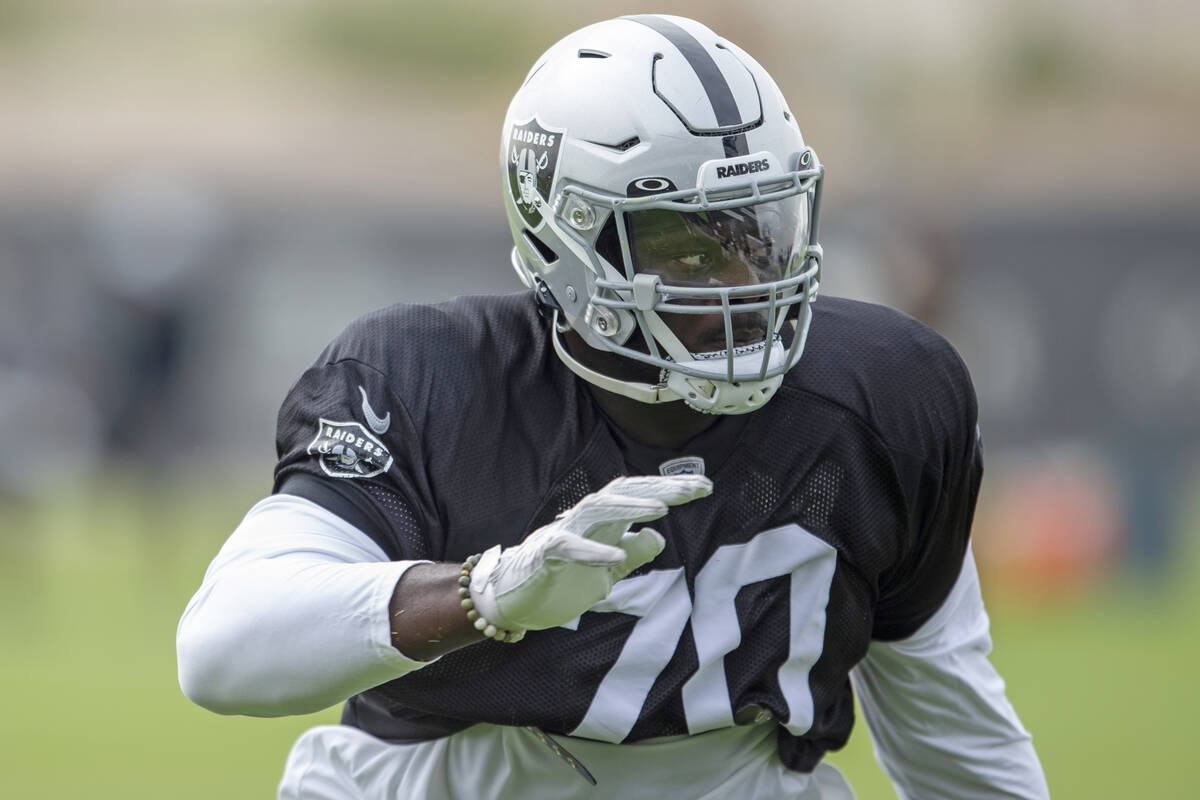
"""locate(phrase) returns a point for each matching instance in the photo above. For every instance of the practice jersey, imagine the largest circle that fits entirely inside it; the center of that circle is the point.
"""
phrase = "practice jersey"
(840, 514)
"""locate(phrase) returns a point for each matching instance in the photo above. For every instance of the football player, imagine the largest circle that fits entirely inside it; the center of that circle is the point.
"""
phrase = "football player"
(457, 545)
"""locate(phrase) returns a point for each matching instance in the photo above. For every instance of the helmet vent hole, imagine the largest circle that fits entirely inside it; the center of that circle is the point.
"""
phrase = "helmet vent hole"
(587, 53)
(548, 255)
(619, 147)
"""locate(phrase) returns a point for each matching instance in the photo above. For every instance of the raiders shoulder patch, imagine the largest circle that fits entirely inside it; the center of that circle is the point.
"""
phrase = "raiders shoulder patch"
(347, 450)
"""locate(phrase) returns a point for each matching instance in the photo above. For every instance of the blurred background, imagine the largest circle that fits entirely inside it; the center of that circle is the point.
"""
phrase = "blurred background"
(195, 195)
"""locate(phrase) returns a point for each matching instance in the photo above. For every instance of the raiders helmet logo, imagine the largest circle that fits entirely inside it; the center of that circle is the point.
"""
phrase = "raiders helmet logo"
(532, 162)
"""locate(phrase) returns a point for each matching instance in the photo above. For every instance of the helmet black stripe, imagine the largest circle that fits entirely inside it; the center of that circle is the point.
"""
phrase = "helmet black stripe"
(715, 86)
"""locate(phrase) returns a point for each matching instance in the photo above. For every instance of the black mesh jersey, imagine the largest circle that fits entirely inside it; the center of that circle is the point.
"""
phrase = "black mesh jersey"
(840, 513)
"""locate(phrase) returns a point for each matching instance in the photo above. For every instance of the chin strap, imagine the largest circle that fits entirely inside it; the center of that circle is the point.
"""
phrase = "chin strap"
(642, 392)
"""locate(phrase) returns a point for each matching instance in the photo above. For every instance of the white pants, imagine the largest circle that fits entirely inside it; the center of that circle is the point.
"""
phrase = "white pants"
(487, 762)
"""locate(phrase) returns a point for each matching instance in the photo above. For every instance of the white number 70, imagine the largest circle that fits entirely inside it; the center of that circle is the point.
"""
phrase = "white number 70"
(661, 599)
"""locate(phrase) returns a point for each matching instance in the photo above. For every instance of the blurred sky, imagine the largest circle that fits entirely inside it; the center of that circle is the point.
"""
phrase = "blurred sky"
(196, 194)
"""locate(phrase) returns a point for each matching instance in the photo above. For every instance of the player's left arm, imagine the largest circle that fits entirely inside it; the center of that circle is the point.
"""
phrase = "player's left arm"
(938, 714)
(942, 726)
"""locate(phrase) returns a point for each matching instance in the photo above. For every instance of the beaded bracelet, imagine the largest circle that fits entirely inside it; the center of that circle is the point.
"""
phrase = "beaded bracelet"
(464, 591)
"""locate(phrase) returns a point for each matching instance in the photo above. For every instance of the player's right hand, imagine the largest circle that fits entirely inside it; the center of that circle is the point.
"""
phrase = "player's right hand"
(564, 568)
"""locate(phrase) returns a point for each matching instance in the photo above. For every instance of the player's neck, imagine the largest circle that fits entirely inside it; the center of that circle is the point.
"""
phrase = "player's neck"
(667, 425)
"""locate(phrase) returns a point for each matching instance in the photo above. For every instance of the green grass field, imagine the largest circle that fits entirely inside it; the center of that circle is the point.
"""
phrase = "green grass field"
(90, 592)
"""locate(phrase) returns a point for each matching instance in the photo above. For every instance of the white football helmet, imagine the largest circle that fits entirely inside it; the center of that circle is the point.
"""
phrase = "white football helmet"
(656, 184)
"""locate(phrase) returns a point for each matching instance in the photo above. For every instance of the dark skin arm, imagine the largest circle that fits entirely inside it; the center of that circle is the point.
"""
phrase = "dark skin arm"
(427, 614)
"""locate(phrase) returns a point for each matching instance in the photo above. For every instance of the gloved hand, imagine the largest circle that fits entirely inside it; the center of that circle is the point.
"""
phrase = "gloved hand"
(564, 568)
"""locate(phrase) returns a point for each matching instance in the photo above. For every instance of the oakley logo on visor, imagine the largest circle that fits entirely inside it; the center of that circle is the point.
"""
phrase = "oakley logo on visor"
(644, 187)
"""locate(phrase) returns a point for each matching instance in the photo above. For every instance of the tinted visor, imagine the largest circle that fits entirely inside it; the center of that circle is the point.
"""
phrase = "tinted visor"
(729, 247)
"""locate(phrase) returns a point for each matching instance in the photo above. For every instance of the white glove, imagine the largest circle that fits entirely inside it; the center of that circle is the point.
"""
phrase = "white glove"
(566, 567)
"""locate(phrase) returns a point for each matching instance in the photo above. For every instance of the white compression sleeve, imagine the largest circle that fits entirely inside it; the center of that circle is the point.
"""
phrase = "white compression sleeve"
(292, 616)
(935, 705)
